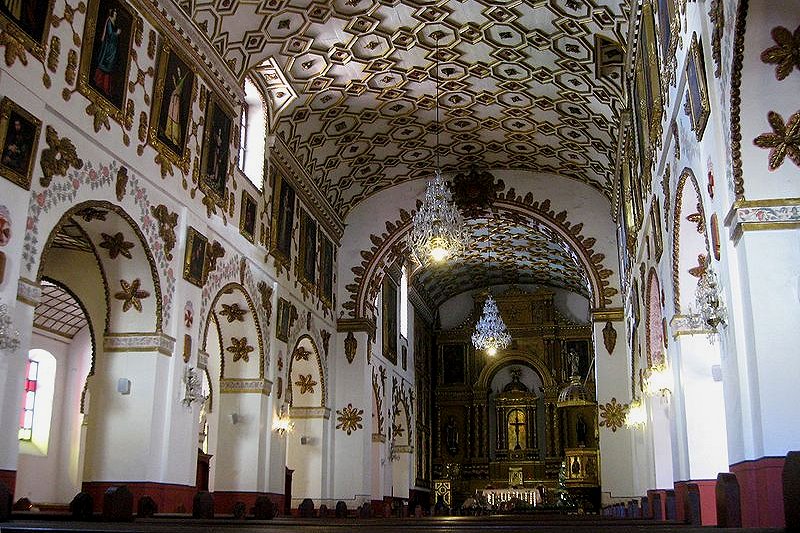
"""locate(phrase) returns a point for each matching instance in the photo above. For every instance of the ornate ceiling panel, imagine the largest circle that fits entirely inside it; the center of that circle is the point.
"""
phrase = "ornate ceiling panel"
(520, 253)
(530, 85)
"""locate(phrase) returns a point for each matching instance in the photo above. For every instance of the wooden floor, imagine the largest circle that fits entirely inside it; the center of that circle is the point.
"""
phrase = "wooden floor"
(505, 524)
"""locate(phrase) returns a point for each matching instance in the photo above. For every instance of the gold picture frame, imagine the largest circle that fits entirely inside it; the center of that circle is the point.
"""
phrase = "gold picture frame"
(171, 117)
(195, 261)
(247, 217)
(389, 315)
(108, 39)
(307, 253)
(282, 323)
(283, 209)
(698, 105)
(216, 149)
(19, 142)
(29, 23)
(327, 257)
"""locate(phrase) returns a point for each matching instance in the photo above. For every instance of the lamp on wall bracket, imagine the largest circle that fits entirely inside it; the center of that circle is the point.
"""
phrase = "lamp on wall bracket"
(282, 425)
(708, 298)
(439, 232)
(9, 336)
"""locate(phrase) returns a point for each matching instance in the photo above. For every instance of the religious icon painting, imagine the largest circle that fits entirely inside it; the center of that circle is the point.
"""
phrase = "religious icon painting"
(27, 21)
(247, 217)
(215, 158)
(19, 140)
(172, 107)
(282, 324)
(389, 300)
(308, 250)
(194, 263)
(697, 106)
(282, 219)
(105, 59)
(326, 270)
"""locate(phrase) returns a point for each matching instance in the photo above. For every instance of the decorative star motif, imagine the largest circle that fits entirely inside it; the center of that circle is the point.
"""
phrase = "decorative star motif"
(131, 295)
(786, 54)
(349, 418)
(301, 354)
(612, 415)
(233, 312)
(240, 349)
(306, 384)
(116, 245)
(784, 139)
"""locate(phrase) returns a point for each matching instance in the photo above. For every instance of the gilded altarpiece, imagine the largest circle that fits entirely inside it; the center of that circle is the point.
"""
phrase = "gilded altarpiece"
(498, 421)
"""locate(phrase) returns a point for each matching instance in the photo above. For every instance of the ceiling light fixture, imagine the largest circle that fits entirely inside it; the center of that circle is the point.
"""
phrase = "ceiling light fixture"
(490, 332)
(438, 231)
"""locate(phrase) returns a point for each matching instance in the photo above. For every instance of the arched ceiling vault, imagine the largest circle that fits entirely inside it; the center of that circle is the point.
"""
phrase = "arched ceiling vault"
(532, 85)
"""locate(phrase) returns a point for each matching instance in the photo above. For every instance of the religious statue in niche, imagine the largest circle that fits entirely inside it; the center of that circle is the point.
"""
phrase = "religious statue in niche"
(581, 430)
(451, 436)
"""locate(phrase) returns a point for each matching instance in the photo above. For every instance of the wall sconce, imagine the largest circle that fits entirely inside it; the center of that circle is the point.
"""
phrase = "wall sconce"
(283, 424)
(708, 298)
(9, 336)
(659, 380)
(637, 415)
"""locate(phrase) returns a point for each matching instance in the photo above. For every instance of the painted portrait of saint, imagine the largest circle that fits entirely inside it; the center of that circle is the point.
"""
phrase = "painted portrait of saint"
(173, 100)
(108, 40)
(216, 150)
(19, 138)
(30, 16)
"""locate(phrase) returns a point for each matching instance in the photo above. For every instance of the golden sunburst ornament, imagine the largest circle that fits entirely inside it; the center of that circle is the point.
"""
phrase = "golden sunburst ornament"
(349, 418)
(306, 384)
(233, 312)
(131, 295)
(612, 415)
(240, 349)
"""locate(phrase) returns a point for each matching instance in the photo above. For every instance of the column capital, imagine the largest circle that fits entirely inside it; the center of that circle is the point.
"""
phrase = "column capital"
(240, 386)
(139, 342)
(613, 314)
(766, 214)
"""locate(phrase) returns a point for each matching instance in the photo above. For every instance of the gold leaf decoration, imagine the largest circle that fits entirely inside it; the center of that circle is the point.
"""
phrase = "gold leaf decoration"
(116, 245)
(121, 184)
(306, 384)
(166, 227)
(266, 298)
(14, 49)
(784, 139)
(350, 346)
(612, 415)
(700, 269)
(785, 54)
(349, 418)
(301, 354)
(233, 312)
(58, 157)
(609, 337)
(240, 349)
(131, 295)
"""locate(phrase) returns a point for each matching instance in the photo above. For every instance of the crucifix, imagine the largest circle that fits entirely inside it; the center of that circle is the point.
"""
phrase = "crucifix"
(516, 425)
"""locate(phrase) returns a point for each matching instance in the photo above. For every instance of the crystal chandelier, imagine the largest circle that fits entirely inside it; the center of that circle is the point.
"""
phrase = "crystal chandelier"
(9, 336)
(438, 231)
(708, 298)
(490, 331)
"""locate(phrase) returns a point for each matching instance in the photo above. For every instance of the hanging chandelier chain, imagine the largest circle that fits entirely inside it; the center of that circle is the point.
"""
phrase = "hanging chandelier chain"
(437, 35)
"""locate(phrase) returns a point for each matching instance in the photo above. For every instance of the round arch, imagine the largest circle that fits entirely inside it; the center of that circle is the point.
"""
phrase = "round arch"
(654, 330)
(514, 357)
(305, 364)
(688, 244)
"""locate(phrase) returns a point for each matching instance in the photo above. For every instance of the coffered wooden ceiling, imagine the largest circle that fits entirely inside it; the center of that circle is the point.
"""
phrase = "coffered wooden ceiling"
(531, 85)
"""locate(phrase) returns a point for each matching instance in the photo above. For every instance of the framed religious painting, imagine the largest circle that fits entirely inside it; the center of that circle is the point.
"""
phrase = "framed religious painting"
(247, 217)
(194, 262)
(282, 324)
(105, 58)
(28, 21)
(282, 219)
(669, 27)
(389, 314)
(19, 140)
(307, 263)
(453, 364)
(326, 259)
(697, 106)
(171, 115)
(215, 151)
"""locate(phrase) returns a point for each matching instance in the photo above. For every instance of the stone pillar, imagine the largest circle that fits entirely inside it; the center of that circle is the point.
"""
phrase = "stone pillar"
(612, 367)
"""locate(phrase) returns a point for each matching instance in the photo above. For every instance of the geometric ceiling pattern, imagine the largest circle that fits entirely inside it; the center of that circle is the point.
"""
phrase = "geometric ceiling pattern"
(522, 253)
(532, 85)
(58, 312)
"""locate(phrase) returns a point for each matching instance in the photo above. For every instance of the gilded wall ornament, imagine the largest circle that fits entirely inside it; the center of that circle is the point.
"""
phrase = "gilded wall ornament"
(306, 383)
(700, 269)
(240, 349)
(612, 415)
(116, 245)
(166, 227)
(350, 346)
(783, 141)
(609, 337)
(266, 298)
(301, 354)
(14, 50)
(474, 191)
(717, 15)
(121, 184)
(88, 214)
(349, 418)
(58, 157)
(233, 312)
(215, 252)
(698, 219)
(326, 337)
(131, 295)
(785, 54)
